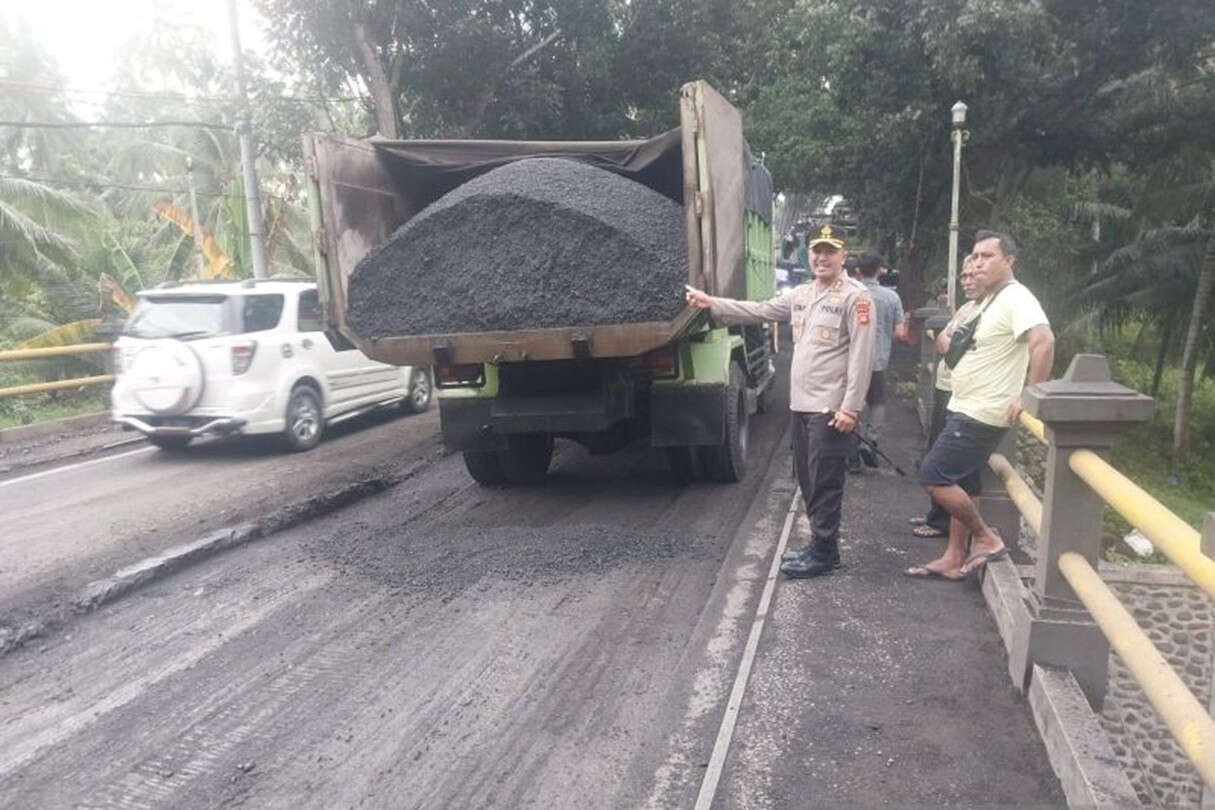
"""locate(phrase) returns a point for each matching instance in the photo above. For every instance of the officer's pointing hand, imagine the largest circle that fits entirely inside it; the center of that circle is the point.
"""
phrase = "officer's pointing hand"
(697, 298)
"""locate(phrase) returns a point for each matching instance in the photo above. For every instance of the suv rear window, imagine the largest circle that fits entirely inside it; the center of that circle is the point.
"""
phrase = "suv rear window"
(178, 316)
(261, 312)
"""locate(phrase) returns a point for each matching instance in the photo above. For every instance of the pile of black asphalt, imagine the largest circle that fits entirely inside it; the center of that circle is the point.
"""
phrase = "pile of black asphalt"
(537, 243)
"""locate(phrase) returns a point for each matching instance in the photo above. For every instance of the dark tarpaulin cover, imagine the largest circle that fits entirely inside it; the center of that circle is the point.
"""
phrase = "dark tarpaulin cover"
(433, 168)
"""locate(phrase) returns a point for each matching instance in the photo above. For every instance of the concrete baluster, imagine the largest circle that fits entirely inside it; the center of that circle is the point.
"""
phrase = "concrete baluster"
(1084, 409)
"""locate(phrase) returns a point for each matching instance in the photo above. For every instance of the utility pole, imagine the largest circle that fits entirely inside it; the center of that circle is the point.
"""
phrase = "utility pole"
(198, 237)
(958, 134)
(244, 132)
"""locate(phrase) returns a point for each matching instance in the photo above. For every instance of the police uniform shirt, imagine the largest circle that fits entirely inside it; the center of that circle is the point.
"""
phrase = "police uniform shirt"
(833, 337)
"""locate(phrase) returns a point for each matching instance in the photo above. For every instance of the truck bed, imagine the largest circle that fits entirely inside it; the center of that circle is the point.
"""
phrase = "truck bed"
(362, 191)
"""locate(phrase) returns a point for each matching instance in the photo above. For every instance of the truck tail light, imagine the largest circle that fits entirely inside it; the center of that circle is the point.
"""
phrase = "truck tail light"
(660, 363)
(458, 375)
(242, 356)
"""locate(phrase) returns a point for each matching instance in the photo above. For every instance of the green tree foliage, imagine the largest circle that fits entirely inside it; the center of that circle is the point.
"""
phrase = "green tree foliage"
(862, 102)
(570, 69)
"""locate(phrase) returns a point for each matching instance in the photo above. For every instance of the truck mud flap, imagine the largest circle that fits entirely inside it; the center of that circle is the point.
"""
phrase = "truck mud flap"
(683, 415)
(466, 425)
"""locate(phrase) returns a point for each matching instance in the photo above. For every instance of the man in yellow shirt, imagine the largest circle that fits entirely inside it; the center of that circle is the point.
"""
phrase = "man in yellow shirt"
(1011, 338)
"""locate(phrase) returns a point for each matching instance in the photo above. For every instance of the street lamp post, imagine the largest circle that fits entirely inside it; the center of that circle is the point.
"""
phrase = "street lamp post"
(958, 119)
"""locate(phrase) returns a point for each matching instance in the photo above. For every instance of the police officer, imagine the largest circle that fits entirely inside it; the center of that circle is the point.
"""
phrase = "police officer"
(833, 334)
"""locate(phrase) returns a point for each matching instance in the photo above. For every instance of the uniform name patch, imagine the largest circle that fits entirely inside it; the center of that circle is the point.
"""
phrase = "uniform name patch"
(862, 311)
(834, 310)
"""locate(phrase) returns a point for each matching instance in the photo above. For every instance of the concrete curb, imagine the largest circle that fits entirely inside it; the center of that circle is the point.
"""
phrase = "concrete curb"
(1077, 745)
(103, 591)
(1079, 750)
(40, 429)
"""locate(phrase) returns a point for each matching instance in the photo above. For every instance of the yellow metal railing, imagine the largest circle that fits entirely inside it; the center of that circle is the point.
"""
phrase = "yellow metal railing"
(1172, 535)
(1187, 719)
(1035, 426)
(1018, 491)
(54, 351)
(1180, 710)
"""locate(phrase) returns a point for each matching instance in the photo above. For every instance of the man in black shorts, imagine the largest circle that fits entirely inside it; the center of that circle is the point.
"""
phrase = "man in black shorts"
(1012, 336)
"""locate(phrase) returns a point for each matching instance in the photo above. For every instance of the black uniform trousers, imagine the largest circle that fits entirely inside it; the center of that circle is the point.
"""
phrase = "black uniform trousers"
(937, 517)
(820, 453)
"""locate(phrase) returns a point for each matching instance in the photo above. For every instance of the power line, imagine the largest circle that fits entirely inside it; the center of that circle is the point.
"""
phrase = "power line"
(39, 87)
(89, 184)
(111, 124)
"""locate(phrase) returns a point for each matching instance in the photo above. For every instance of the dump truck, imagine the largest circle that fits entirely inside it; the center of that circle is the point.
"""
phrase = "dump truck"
(685, 385)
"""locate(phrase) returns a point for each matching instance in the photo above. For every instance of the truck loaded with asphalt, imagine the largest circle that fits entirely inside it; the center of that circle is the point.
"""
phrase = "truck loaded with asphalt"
(544, 281)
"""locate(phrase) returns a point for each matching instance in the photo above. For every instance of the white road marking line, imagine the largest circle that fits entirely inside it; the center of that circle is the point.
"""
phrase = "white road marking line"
(717, 762)
(76, 466)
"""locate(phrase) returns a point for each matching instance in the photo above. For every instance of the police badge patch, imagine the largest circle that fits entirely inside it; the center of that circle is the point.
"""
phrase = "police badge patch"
(862, 311)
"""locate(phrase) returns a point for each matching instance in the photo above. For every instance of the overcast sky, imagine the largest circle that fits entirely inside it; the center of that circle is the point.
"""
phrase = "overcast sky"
(84, 35)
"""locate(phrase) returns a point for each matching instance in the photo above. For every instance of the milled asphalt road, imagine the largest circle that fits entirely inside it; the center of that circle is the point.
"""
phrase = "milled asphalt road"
(69, 523)
(448, 645)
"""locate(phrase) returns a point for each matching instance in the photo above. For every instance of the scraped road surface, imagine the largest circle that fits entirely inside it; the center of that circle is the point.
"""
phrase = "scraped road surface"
(574, 645)
(83, 518)
(439, 645)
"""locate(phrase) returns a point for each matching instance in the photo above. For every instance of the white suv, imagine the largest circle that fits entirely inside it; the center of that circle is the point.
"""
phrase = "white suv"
(246, 357)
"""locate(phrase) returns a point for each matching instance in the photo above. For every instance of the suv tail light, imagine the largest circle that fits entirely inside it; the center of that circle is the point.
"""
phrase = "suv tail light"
(459, 374)
(242, 356)
(660, 363)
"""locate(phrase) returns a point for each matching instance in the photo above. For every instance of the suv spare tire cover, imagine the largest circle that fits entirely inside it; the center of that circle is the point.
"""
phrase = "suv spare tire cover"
(167, 377)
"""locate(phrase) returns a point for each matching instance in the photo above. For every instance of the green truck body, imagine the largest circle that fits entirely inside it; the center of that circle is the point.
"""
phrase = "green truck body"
(683, 385)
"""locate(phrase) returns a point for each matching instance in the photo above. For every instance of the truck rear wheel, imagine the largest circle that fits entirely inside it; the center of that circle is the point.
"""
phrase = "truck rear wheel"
(727, 462)
(526, 458)
(484, 466)
(685, 464)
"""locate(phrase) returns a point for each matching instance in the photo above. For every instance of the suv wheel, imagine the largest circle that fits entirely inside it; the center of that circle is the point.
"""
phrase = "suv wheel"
(305, 421)
(418, 398)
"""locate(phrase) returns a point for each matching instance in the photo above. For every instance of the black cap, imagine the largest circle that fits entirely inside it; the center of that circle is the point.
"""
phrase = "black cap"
(826, 235)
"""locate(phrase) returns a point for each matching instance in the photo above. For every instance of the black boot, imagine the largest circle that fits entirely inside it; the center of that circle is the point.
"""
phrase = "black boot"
(816, 563)
(796, 553)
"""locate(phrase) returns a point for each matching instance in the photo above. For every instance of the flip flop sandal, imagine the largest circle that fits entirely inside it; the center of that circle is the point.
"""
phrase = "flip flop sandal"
(924, 572)
(924, 530)
(979, 560)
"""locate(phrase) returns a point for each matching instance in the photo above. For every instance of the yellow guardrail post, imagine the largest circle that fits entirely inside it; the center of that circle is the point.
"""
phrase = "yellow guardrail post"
(1083, 409)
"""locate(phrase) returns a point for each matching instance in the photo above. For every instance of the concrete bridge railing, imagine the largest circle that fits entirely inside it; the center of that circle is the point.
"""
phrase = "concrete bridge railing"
(1060, 621)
